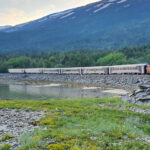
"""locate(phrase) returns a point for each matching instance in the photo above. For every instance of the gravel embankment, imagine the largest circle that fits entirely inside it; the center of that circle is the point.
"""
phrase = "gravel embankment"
(128, 82)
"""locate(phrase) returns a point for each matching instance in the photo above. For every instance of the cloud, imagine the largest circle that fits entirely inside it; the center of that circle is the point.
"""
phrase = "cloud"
(84, 2)
(14, 12)
(16, 16)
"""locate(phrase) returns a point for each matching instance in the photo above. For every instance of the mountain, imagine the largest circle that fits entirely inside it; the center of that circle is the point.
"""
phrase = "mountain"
(3, 28)
(104, 24)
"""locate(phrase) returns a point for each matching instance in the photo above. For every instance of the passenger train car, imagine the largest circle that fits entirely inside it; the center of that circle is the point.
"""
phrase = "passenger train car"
(51, 70)
(119, 69)
(128, 69)
(16, 70)
(95, 70)
(71, 70)
(33, 70)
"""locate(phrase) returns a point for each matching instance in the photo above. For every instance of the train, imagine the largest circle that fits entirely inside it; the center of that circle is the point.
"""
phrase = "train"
(103, 70)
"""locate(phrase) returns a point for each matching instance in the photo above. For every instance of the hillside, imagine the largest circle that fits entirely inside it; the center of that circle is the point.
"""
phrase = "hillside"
(100, 25)
(82, 58)
(3, 28)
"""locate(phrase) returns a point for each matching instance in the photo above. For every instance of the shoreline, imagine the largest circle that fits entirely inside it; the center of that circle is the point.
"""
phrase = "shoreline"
(126, 82)
(105, 91)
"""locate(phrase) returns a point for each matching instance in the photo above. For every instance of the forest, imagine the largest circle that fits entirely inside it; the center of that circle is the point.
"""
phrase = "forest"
(78, 58)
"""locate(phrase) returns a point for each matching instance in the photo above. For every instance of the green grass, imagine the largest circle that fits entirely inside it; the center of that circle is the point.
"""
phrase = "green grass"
(81, 124)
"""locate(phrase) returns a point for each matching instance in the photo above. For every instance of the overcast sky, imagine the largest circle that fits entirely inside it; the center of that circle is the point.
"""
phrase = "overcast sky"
(14, 12)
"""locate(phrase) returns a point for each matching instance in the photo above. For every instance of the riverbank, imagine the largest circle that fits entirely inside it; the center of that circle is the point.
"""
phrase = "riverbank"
(127, 82)
(82, 124)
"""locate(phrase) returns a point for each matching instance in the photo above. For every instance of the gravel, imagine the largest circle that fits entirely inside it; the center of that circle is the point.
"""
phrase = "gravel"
(15, 122)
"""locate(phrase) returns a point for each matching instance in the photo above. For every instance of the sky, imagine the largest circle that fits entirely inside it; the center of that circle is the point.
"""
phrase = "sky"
(14, 12)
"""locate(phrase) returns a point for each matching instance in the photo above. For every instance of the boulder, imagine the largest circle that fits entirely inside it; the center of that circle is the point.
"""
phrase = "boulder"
(144, 86)
(140, 96)
(145, 99)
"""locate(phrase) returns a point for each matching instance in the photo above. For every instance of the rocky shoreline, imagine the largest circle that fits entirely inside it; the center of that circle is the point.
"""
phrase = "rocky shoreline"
(141, 95)
(14, 122)
(127, 82)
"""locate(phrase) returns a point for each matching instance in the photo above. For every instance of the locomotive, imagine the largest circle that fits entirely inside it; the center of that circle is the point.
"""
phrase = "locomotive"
(105, 70)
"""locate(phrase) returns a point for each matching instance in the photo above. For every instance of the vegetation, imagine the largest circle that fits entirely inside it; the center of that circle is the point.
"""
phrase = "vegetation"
(5, 147)
(6, 137)
(85, 124)
(77, 58)
(116, 26)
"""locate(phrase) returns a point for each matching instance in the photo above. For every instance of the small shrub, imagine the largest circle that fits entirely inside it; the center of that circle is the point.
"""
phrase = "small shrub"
(132, 136)
(6, 137)
(115, 135)
(48, 121)
(31, 140)
(59, 146)
(6, 147)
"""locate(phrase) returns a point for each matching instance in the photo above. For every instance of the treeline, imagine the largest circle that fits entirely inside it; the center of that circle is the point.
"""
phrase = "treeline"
(78, 58)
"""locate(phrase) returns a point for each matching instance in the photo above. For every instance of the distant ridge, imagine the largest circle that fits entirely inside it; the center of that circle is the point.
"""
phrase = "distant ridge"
(101, 25)
(2, 28)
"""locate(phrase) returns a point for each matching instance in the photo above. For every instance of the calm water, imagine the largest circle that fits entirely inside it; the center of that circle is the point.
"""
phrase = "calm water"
(10, 90)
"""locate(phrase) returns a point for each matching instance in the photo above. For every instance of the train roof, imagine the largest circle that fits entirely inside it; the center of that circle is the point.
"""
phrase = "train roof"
(96, 67)
(130, 65)
(16, 69)
(72, 68)
(92, 67)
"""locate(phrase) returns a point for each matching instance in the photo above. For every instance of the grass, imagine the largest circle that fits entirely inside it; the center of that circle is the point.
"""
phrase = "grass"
(81, 124)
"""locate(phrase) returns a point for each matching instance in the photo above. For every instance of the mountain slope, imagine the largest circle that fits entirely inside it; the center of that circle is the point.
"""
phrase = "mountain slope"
(5, 28)
(104, 24)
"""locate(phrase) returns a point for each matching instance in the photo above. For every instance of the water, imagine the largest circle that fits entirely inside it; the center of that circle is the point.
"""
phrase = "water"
(10, 90)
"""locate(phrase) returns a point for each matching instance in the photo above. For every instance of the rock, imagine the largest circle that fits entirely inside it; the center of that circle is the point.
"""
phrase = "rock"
(140, 96)
(144, 86)
(148, 91)
(144, 99)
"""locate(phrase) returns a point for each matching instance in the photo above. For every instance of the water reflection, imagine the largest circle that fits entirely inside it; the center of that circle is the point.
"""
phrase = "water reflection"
(16, 91)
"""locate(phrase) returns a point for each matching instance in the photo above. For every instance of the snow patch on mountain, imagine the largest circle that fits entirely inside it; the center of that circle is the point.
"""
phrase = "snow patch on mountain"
(67, 15)
(122, 1)
(111, 1)
(60, 14)
(103, 7)
(43, 19)
(99, 5)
